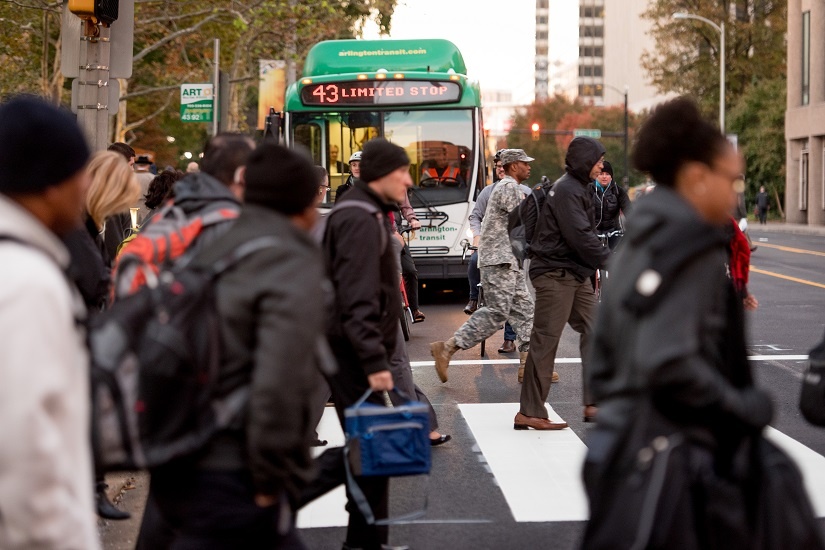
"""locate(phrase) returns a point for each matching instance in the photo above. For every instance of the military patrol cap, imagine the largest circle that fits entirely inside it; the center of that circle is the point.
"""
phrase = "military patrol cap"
(509, 156)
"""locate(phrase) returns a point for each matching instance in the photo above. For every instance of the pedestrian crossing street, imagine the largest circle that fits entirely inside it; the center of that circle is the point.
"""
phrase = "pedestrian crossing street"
(539, 473)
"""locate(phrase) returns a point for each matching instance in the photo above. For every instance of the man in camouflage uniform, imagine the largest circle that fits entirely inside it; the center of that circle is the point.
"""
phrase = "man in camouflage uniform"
(505, 288)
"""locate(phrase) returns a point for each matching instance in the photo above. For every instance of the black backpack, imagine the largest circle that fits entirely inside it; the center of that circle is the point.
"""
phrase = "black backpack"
(522, 221)
(155, 360)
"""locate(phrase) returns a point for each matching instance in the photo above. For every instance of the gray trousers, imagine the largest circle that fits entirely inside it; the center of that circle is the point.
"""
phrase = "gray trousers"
(402, 378)
(560, 299)
(506, 298)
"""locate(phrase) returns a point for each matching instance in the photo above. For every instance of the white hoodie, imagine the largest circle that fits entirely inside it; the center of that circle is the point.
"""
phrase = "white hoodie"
(46, 497)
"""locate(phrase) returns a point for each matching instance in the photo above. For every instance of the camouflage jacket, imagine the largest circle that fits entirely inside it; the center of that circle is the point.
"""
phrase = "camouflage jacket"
(494, 246)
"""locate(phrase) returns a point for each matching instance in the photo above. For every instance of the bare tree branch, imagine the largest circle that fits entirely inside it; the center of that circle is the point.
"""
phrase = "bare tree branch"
(141, 122)
(174, 36)
(55, 7)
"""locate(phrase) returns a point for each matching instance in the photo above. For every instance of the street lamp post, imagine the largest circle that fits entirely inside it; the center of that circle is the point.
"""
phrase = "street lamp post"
(720, 28)
(626, 162)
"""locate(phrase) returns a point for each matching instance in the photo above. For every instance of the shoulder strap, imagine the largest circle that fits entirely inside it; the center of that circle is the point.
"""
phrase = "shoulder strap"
(242, 251)
(372, 209)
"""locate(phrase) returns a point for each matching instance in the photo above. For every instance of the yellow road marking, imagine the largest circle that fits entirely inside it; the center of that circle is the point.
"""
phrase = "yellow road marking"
(786, 277)
(789, 249)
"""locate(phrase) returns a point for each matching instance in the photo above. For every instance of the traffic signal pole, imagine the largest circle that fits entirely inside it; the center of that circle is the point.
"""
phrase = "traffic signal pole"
(93, 108)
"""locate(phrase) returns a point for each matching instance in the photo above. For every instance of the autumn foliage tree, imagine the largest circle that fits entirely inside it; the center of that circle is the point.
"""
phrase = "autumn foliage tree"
(562, 117)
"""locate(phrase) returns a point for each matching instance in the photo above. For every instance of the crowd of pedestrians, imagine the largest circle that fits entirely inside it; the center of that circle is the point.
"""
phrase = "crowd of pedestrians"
(330, 289)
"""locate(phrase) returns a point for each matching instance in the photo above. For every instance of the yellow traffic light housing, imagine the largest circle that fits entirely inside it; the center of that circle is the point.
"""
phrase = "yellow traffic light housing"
(104, 11)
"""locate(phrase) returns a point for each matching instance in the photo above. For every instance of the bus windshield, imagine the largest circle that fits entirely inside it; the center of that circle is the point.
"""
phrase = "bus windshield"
(438, 142)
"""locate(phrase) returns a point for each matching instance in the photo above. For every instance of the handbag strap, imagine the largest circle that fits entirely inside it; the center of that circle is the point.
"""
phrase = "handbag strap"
(370, 392)
(364, 506)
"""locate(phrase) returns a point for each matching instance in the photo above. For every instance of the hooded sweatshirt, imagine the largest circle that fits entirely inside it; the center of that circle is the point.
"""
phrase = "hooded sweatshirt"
(565, 236)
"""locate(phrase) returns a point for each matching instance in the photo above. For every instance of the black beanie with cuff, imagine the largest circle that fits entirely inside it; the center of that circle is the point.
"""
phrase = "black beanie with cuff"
(379, 158)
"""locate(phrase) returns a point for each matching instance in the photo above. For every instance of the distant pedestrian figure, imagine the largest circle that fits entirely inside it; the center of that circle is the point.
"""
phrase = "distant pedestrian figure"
(763, 203)
(46, 497)
(192, 168)
(679, 416)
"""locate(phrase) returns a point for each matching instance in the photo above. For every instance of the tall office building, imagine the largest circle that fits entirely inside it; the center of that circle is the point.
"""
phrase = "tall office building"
(612, 38)
(591, 51)
(805, 114)
(542, 77)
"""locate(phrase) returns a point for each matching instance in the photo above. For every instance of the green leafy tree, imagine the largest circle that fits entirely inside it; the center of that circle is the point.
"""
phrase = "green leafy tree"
(685, 58)
(172, 45)
(758, 118)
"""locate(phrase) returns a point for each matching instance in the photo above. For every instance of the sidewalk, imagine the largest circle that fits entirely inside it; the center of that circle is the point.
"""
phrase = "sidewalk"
(128, 492)
(781, 227)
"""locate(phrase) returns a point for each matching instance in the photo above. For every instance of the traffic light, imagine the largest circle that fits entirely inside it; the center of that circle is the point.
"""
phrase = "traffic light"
(536, 129)
(104, 11)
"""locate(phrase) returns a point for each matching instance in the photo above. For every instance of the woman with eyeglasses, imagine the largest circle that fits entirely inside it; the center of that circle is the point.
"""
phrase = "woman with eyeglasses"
(679, 417)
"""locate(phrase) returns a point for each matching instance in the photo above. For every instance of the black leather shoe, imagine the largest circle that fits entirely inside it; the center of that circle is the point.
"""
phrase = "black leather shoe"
(471, 306)
(105, 508)
(507, 347)
(440, 440)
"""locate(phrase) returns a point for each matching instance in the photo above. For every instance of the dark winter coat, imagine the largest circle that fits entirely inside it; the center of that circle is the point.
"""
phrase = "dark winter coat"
(364, 272)
(565, 236)
(90, 267)
(608, 204)
(668, 357)
(271, 319)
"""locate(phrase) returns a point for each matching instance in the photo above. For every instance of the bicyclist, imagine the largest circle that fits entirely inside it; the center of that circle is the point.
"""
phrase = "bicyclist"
(609, 200)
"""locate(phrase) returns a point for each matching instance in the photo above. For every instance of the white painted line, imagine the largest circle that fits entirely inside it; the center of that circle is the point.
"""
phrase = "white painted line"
(539, 472)
(577, 360)
(328, 510)
(812, 465)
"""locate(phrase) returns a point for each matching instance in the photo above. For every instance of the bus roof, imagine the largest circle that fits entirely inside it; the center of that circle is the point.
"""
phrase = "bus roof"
(353, 56)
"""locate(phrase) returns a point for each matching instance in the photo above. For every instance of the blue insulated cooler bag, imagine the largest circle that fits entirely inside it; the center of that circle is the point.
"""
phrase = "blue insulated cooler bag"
(388, 441)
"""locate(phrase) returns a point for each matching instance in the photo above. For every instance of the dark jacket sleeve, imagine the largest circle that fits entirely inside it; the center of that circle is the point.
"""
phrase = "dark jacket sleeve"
(284, 370)
(572, 211)
(624, 201)
(356, 277)
(88, 268)
(680, 354)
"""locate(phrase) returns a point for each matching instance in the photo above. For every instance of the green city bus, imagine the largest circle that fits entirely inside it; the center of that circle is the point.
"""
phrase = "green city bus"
(416, 94)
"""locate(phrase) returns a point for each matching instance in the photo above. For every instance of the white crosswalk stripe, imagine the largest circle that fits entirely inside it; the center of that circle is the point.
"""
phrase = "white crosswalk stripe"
(539, 473)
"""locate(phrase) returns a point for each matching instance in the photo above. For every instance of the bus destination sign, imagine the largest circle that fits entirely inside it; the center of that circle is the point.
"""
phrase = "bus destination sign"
(381, 92)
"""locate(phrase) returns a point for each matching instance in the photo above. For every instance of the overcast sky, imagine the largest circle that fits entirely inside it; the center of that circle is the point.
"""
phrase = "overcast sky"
(497, 38)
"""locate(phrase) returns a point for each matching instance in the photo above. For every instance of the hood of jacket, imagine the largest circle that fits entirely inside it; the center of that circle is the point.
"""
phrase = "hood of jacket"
(195, 189)
(582, 155)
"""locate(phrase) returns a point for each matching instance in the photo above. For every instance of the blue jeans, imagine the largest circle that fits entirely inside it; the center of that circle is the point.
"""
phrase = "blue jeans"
(474, 277)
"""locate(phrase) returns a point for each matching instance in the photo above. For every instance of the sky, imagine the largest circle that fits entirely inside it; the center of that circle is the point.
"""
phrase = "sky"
(497, 38)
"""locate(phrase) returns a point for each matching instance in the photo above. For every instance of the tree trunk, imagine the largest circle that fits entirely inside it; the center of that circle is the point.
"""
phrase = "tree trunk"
(120, 119)
(778, 203)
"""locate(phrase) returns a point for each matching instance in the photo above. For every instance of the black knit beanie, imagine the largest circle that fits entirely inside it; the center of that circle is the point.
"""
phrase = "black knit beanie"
(608, 168)
(40, 146)
(281, 179)
(380, 157)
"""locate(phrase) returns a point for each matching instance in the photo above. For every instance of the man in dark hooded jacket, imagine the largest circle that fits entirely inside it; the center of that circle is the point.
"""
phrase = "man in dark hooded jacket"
(564, 254)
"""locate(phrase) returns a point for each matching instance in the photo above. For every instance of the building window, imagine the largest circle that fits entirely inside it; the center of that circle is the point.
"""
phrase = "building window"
(590, 90)
(597, 32)
(542, 4)
(803, 180)
(806, 58)
(541, 19)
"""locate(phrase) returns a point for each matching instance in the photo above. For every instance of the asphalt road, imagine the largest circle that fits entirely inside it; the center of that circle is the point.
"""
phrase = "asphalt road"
(472, 501)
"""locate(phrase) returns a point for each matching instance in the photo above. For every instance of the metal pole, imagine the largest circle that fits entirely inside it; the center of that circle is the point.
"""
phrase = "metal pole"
(93, 86)
(626, 163)
(722, 77)
(216, 84)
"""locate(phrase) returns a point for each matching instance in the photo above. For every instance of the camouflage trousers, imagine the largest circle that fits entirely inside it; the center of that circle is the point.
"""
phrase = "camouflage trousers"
(506, 298)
